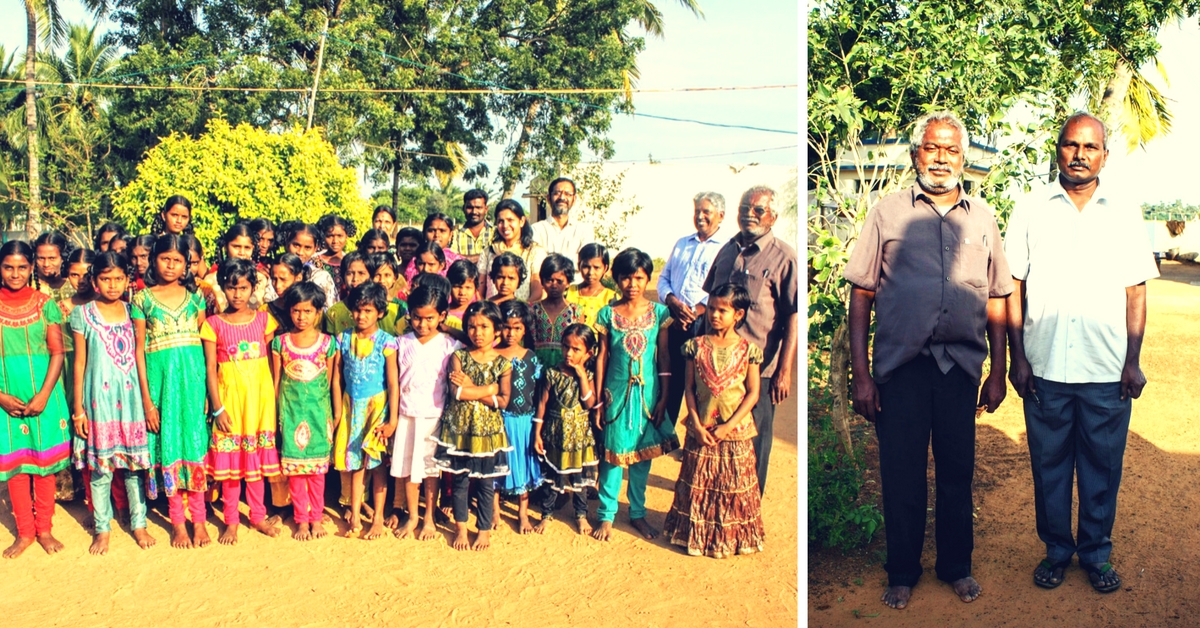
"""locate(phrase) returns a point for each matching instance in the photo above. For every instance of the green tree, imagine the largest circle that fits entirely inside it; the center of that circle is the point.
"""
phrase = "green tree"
(602, 205)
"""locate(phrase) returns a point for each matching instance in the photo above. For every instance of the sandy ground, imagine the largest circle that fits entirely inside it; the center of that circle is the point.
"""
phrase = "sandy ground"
(558, 579)
(1155, 542)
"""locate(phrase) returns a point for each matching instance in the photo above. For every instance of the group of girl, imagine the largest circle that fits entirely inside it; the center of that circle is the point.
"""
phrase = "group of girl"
(270, 368)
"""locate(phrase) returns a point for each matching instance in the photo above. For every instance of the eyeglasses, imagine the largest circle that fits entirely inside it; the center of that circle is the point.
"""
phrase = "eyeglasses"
(758, 210)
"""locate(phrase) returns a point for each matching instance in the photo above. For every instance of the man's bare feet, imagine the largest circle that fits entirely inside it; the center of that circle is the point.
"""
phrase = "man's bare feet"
(523, 524)
(49, 543)
(483, 540)
(896, 597)
(99, 544)
(229, 536)
(966, 589)
(377, 530)
(428, 531)
(303, 532)
(406, 530)
(143, 538)
(200, 537)
(584, 527)
(642, 526)
(179, 537)
(540, 528)
(318, 530)
(461, 540)
(268, 526)
(604, 532)
(18, 547)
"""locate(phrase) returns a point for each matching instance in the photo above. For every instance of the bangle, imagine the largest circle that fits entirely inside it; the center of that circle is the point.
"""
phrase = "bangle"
(537, 420)
(458, 394)
(219, 412)
(81, 415)
(585, 397)
(664, 374)
(495, 404)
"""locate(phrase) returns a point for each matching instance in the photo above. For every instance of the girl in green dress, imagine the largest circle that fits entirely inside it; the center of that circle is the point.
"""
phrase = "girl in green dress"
(631, 369)
(34, 444)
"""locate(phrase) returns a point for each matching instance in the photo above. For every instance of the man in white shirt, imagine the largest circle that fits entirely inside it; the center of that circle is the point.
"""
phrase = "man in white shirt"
(681, 285)
(1080, 257)
(557, 234)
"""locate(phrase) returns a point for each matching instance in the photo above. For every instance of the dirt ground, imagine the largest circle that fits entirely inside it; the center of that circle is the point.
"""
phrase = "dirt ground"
(558, 579)
(1155, 543)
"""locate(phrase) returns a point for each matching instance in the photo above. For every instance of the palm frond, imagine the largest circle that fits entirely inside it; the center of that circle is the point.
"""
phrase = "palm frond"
(1146, 113)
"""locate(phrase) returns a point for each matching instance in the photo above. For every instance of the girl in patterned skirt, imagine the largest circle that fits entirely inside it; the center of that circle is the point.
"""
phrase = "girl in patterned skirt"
(472, 443)
(553, 314)
(170, 359)
(563, 435)
(240, 389)
(717, 509)
(34, 447)
(304, 361)
(110, 424)
(524, 468)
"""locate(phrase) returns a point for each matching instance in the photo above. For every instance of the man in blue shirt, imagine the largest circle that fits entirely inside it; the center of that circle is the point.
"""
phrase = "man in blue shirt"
(681, 285)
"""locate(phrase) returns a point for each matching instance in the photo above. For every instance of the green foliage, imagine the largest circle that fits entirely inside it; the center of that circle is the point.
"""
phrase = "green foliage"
(840, 513)
(233, 173)
(600, 205)
(1175, 210)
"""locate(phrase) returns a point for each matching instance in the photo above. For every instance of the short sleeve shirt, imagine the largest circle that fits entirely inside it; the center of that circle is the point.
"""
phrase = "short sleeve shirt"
(422, 371)
(932, 276)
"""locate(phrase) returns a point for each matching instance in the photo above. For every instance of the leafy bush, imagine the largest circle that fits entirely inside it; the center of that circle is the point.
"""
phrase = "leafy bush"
(840, 513)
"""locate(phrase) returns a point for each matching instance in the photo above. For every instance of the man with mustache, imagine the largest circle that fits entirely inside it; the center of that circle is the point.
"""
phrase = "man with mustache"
(929, 259)
(681, 285)
(1081, 257)
(767, 268)
(557, 234)
(475, 234)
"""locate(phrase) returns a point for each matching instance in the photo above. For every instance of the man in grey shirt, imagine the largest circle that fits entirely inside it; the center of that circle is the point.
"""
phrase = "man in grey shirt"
(930, 261)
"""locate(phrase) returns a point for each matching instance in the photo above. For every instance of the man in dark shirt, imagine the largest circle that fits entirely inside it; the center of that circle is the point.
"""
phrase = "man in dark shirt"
(930, 260)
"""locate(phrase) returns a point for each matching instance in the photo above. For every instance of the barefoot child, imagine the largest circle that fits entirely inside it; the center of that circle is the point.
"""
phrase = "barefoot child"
(471, 443)
(423, 360)
(170, 361)
(716, 511)
(34, 446)
(240, 389)
(367, 383)
(631, 368)
(303, 362)
(524, 467)
(507, 274)
(110, 424)
(553, 313)
(589, 294)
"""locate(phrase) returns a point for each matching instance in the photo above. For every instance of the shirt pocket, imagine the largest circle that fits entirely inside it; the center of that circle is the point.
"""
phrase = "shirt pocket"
(973, 265)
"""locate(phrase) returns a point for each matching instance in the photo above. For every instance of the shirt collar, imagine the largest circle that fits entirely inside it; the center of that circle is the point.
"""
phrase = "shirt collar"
(963, 199)
(761, 243)
(716, 238)
(1099, 195)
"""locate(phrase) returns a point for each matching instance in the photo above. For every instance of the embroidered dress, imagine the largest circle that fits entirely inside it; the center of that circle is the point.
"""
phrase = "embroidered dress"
(112, 398)
(717, 509)
(176, 374)
(547, 334)
(244, 386)
(571, 461)
(589, 306)
(364, 400)
(30, 332)
(305, 411)
(64, 482)
(472, 439)
(631, 386)
(524, 468)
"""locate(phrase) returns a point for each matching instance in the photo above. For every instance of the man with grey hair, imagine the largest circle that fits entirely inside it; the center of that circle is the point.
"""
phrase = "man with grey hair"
(681, 285)
(767, 268)
(929, 260)
(1080, 257)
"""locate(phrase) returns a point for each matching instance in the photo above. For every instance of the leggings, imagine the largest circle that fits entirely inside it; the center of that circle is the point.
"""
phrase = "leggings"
(484, 490)
(101, 485)
(231, 491)
(119, 497)
(195, 505)
(550, 497)
(308, 497)
(32, 498)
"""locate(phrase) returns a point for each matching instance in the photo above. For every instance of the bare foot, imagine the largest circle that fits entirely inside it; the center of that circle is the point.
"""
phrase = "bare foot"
(99, 544)
(540, 528)
(229, 536)
(144, 540)
(428, 532)
(407, 530)
(355, 524)
(179, 537)
(445, 514)
(368, 511)
(318, 531)
(392, 522)
(966, 589)
(585, 528)
(896, 597)
(461, 540)
(483, 540)
(268, 526)
(200, 537)
(603, 532)
(18, 547)
(640, 525)
(523, 524)
(303, 532)
(325, 518)
(377, 530)
(49, 543)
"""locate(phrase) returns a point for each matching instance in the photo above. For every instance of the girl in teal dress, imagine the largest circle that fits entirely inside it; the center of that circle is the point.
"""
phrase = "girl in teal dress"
(631, 369)
(33, 445)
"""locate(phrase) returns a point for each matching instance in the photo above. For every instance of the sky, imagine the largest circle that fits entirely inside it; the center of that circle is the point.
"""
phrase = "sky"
(737, 43)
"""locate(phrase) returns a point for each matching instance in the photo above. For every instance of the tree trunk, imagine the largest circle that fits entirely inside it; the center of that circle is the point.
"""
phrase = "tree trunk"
(396, 187)
(839, 369)
(1113, 103)
(510, 182)
(33, 220)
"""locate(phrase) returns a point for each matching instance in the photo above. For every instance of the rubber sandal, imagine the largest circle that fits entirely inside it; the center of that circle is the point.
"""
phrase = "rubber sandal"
(1103, 577)
(1055, 569)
